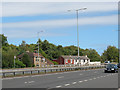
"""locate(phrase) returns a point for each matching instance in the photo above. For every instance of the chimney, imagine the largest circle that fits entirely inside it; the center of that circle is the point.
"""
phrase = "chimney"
(85, 55)
(27, 51)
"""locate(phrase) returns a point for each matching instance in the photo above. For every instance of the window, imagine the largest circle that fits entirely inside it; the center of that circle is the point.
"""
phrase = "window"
(43, 59)
(37, 65)
(71, 60)
(84, 60)
(66, 61)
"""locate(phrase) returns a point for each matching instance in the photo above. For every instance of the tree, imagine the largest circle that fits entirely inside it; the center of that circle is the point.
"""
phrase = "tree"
(19, 64)
(92, 54)
(23, 47)
(110, 54)
(3, 40)
(26, 60)
(7, 59)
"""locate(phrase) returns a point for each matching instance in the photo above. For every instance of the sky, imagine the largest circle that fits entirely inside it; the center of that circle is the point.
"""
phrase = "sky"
(98, 24)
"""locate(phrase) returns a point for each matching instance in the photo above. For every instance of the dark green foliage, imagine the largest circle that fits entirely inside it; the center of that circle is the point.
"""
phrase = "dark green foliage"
(19, 64)
(3, 40)
(92, 54)
(110, 54)
(49, 51)
(55, 63)
(26, 60)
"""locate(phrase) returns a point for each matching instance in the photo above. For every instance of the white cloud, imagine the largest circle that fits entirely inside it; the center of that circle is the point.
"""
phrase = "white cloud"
(29, 29)
(60, 0)
(30, 34)
(101, 20)
(28, 9)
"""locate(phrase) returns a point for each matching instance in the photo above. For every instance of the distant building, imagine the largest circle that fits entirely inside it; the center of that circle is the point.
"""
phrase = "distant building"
(37, 61)
(81, 60)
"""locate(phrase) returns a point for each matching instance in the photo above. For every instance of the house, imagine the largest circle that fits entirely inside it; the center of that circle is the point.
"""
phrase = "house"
(37, 60)
(76, 60)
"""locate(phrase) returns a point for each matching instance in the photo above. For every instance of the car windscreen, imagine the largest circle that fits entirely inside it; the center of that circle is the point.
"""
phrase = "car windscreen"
(110, 65)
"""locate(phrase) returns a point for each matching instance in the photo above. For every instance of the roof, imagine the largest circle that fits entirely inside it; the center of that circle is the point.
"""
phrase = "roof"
(32, 55)
(74, 57)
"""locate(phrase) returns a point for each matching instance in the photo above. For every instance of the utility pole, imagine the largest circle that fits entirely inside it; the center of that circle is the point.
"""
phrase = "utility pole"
(77, 10)
(77, 32)
(14, 61)
(38, 45)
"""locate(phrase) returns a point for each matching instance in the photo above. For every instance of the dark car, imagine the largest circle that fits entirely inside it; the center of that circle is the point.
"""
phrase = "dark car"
(119, 65)
(111, 68)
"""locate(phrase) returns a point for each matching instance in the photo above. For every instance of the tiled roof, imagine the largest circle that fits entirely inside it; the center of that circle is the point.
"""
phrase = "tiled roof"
(75, 57)
(36, 54)
(33, 55)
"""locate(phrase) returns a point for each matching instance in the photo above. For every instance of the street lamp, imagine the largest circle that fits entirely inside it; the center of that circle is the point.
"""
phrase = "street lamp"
(14, 61)
(77, 10)
(38, 44)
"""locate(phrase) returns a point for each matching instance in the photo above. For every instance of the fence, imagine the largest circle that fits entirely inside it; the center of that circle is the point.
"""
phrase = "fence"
(50, 70)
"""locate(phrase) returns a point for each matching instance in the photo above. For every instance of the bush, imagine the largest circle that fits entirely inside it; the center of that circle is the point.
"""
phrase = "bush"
(33, 65)
(55, 63)
(19, 64)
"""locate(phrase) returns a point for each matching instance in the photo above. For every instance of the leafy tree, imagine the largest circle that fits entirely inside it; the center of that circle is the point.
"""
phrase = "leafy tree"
(55, 63)
(3, 40)
(92, 54)
(110, 54)
(19, 64)
(7, 59)
(26, 60)
(23, 47)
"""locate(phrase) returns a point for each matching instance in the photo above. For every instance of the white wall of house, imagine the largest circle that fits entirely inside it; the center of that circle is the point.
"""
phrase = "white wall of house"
(79, 62)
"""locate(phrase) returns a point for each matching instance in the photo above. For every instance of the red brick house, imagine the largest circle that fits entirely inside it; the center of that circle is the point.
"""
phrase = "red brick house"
(37, 61)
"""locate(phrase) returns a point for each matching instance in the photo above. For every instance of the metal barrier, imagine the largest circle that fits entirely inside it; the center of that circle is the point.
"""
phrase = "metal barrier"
(44, 71)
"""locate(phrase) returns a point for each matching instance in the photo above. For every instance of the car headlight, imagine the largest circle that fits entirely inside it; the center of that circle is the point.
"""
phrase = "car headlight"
(112, 69)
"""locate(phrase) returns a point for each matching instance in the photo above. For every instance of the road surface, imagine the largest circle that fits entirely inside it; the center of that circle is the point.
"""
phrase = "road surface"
(73, 79)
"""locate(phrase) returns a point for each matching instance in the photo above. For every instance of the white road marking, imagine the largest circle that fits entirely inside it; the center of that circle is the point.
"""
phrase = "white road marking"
(35, 76)
(81, 74)
(85, 80)
(90, 79)
(80, 81)
(74, 82)
(61, 77)
(67, 84)
(104, 76)
(25, 82)
(98, 77)
(58, 86)
(94, 78)
(31, 81)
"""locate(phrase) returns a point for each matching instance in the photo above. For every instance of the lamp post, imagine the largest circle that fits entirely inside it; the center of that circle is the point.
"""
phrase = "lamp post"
(14, 61)
(38, 44)
(77, 10)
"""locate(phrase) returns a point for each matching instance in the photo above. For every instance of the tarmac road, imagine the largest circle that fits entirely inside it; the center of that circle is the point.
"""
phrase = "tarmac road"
(73, 79)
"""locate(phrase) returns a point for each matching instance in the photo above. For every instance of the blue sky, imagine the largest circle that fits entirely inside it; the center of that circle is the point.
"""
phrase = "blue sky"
(97, 25)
